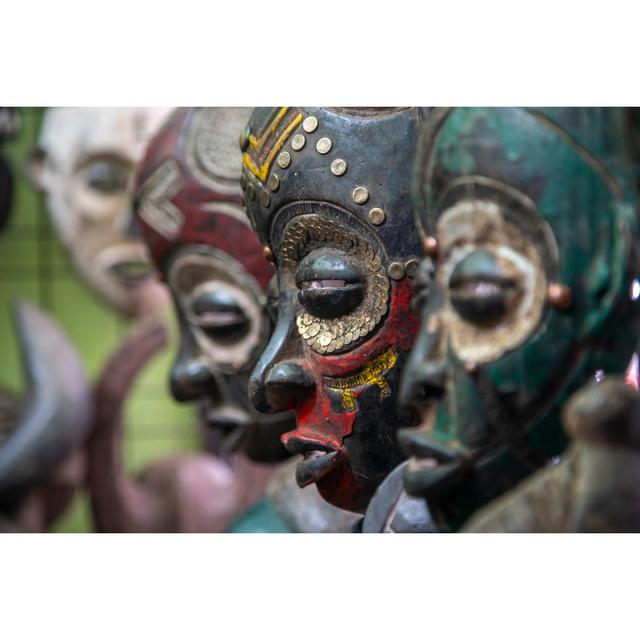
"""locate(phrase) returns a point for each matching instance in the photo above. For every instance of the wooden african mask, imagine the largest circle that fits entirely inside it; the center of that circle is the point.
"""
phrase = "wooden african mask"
(530, 220)
(190, 214)
(85, 164)
(328, 192)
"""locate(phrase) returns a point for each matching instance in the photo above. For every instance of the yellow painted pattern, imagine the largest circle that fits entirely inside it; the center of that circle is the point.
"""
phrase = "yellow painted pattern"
(372, 373)
(262, 171)
(257, 143)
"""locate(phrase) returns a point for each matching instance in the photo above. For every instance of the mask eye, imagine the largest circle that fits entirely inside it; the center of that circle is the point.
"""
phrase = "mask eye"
(330, 283)
(480, 291)
(107, 176)
(218, 315)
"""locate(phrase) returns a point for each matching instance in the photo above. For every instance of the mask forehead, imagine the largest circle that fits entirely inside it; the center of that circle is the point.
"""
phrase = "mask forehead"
(320, 154)
(550, 162)
(70, 133)
(189, 190)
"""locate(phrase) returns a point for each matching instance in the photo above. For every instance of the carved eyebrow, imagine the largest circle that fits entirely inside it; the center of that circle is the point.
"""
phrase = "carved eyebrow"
(304, 235)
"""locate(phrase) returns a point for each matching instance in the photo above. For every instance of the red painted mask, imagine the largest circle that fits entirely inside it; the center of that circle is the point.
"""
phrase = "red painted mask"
(189, 209)
(328, 191)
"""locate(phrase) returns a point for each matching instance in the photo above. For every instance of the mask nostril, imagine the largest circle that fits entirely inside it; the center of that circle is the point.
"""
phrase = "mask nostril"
(431, 381)
(427, 385)
(286, 384)
(190, 380)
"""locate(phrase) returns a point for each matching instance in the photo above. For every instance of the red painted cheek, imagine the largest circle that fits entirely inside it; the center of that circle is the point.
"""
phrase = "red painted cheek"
(317, 420)
(320, 422)
(399, 331)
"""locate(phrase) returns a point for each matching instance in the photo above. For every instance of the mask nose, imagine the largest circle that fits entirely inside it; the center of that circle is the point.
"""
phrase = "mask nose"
(287, 383)
(427, 385)
(424, 377)
(281, 377)
(132, 229)
(191, 379)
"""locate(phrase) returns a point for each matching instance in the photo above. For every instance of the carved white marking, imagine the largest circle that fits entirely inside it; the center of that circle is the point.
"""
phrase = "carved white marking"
(155, 208)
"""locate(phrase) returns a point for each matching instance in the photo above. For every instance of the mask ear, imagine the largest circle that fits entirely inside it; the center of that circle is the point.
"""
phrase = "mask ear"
(35, 167)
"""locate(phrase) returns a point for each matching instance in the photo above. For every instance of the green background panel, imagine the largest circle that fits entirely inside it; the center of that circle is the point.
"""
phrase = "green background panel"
(34, 266)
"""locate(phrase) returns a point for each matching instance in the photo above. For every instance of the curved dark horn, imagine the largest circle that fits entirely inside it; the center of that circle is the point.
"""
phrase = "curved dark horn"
(56, 412)
(119, 502)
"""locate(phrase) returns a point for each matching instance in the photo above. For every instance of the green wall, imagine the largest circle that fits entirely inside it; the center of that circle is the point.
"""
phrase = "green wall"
(34, 266)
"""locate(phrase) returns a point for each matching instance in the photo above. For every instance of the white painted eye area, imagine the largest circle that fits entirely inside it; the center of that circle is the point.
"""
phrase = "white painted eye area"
(480, 291)
(493, 280)
(343, 288)
(100, 190)
(218, 312)
(107, 176)
(223, 305)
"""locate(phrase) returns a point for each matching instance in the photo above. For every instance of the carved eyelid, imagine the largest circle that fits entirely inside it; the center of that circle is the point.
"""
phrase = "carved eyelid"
(323, 284)
(326, 335)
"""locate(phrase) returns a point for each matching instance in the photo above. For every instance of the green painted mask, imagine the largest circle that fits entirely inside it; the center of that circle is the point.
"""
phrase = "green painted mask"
(529, 216)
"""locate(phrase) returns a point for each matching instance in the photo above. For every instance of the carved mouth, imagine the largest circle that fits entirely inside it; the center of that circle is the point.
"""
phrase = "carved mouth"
(433, 468)
(233, 424)
(129, 263)
(319, 460)
(431, 479)
(227, 419)
(131, 273)
(316, 465)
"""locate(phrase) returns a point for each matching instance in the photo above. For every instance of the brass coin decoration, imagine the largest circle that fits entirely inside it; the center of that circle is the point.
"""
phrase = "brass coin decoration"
(310, 124)
(284, 159)
(360, 195)
(338, 167)
(327, 335)
(324, 145)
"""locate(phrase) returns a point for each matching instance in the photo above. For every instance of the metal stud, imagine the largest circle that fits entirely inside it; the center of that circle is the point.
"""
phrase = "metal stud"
(430, 246)
(471, 367)
(411, 267)
(297, 142)
(310, 124)
(251, 192)
(376, 216)
(396, 271)
(559, 296)
(338, 167)
(360, 195)
(267, 253)
(273, 182)
(284, 159)
(265, 199)
(323, 146)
